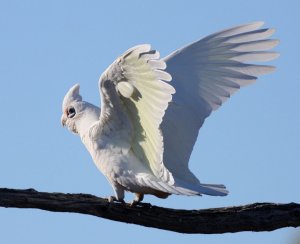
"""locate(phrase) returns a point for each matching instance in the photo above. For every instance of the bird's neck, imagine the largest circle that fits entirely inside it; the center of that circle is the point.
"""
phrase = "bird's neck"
(88, 118)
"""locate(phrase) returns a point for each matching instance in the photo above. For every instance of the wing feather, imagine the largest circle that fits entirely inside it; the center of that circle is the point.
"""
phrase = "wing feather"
(139, 77)
(205, 74)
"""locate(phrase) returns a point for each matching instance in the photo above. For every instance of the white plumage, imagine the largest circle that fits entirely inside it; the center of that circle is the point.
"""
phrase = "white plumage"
(144, 134)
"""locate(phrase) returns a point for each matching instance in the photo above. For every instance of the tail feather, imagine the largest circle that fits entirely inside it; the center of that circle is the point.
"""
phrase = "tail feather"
(199, 189)
(181, 187)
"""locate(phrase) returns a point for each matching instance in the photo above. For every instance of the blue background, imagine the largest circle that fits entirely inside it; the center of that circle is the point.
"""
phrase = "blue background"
(251, 144)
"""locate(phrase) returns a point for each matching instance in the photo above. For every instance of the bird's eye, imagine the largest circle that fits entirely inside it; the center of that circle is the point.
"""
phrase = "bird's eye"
(71, 112)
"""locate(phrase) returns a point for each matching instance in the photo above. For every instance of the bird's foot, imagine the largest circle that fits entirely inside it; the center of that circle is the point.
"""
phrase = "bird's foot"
(112, 199)
(133, 203)
(138, 198)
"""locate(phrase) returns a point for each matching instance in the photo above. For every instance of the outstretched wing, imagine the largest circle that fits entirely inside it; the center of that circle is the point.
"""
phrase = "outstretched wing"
(138, 78)
(205, 74)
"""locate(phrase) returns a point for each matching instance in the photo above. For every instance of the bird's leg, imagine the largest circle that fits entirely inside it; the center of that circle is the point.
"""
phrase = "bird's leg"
(111, 199)
(119, 195)
(138, 198)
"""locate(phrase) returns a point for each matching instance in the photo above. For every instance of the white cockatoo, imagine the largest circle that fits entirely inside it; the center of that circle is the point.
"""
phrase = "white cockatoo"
(152, 109)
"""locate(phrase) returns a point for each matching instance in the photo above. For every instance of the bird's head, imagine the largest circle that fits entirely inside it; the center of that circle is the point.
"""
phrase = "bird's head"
(78, 115)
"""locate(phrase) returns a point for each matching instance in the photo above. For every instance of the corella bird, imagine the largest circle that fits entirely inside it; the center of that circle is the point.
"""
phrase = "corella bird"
(152, 109)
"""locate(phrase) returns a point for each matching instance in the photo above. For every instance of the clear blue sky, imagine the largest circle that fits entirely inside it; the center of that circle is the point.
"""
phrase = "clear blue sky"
(251, 144)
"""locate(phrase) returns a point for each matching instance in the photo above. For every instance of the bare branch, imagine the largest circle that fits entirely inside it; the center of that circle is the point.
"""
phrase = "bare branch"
(252, 217)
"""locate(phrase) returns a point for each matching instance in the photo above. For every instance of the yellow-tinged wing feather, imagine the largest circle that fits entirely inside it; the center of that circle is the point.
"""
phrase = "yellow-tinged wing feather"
(140, 78)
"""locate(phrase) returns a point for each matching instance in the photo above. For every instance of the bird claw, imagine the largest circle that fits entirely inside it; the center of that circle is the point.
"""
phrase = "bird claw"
(112, 199)
(146, 204)
(133, 203)
(139, 197)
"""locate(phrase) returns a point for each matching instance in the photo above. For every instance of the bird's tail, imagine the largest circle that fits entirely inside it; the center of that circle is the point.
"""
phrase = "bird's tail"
(199, 189)
(181, 187)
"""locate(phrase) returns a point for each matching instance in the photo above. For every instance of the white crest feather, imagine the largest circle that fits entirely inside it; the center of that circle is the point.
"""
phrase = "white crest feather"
(72, 95)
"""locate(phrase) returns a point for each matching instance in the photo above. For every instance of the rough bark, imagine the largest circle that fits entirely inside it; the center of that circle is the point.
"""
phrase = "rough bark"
(252, 217)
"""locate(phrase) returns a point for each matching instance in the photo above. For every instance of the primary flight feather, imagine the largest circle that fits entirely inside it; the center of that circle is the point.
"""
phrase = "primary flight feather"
(152, 109)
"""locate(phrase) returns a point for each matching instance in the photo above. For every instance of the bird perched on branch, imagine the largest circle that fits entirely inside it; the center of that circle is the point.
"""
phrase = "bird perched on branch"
(152, 109)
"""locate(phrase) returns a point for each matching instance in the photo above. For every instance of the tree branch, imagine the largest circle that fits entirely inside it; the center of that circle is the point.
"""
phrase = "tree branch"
(252, 217)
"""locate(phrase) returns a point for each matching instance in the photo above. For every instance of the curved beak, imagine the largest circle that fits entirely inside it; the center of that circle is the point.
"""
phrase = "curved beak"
(63, 120)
